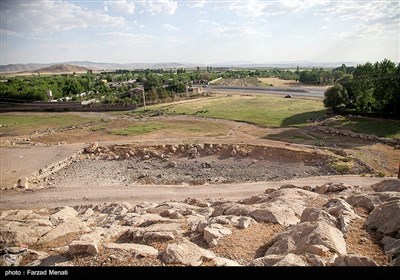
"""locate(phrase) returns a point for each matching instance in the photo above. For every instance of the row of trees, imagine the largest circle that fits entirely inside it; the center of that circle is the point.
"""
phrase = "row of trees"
(322, 76)
(284, 74)
(35, 87)
(370, 89)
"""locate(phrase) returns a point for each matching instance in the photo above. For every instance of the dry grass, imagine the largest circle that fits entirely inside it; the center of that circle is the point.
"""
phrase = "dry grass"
(276, 82)
(364, 242)
(245, 245)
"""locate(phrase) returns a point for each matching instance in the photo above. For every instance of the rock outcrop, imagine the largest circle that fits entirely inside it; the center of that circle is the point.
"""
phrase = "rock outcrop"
(291, 226)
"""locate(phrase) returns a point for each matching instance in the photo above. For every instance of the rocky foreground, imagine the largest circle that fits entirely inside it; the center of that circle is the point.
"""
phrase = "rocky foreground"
(328, 225)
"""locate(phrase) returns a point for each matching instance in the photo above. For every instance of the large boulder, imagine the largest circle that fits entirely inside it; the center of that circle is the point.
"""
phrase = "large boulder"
(330, 188)
(392, 185)
(279, 260)
(245, 222)
(64, 214)
(369, 201)
(16, 238)
(218, 261)
(309, 237)
(232, 208)
(196, 202)
(182, 208)
(15, 215)
(284, 206)
(194, 220)
(385, 218)
(136, 249)
(116, 208)
(16, 233)
(391, 247)
(276, 213)
(255, 199)
(144, 236)
(214, 232)
(144, 220)
(225, 220)
(342, 211)
(186, 253)
(79, 247)
(353, 260)
(395, 262)
(69, 226)
(312, 214)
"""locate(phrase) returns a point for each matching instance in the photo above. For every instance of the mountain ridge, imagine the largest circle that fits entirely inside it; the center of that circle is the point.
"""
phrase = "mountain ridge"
(26, 67)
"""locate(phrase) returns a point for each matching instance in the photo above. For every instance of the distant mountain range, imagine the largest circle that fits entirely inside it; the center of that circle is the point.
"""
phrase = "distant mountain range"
(164, 65)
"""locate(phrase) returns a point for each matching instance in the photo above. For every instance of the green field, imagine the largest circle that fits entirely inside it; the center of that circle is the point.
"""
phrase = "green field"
(187, 127)
(379, 127)
(139, 129)
(260, 110)
(32, 121)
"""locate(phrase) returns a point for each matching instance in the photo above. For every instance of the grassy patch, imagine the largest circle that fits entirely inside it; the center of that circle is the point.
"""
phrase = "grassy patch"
(379, 127)
(22, 123)
(139, 129)
(343, 166)
(259, 110)
(98, 128)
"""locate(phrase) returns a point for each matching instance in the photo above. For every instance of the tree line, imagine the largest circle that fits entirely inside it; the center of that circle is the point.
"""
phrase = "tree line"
(371, 89)
(110, 86)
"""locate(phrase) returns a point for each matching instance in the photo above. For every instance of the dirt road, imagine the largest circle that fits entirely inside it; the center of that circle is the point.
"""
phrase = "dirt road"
(155, 193)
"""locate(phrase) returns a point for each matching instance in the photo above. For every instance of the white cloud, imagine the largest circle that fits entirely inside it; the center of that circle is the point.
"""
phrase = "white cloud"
(123, 38)
(43, 17)
(170, 27)
(160, 6)
(373, 17)
(252, 8)
(204, 22)
(122, 6)
(236, 31)
(296, 5)
(365, 31)
(8, 33)
(197, 4)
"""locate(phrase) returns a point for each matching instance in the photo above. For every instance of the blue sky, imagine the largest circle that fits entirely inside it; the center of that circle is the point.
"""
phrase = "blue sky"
(199, 31)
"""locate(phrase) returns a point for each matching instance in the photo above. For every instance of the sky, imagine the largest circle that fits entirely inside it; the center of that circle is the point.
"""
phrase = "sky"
(199, 31)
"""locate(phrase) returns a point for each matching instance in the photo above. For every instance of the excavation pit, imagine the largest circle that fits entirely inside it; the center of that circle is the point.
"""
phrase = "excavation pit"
(188, 164)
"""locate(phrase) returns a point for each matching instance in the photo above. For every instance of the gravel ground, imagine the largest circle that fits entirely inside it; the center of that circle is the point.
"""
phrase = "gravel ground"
(173, 171)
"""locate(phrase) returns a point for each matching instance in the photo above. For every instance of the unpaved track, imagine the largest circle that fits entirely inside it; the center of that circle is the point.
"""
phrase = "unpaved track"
(155, 193)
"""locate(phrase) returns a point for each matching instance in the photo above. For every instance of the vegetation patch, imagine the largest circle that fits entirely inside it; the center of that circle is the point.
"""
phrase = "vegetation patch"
(342, 166)
(380, 127)
(259, 110)
(139, 129)
(31, 122)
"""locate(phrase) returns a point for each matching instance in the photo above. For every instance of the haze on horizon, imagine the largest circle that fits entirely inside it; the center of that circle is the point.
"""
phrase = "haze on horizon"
(199, 31)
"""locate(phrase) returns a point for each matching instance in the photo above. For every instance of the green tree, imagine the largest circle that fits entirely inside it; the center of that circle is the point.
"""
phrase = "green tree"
(72, 86)
(335, 97)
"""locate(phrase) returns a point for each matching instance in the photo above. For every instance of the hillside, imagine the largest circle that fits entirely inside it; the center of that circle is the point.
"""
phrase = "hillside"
(62, 68)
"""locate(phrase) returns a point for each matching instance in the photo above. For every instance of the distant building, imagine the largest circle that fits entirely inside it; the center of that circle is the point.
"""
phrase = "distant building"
(134, 92)
(200, 82)
(195, 90)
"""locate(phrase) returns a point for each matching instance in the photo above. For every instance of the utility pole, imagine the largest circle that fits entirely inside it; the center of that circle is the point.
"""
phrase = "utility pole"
(144, 102)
